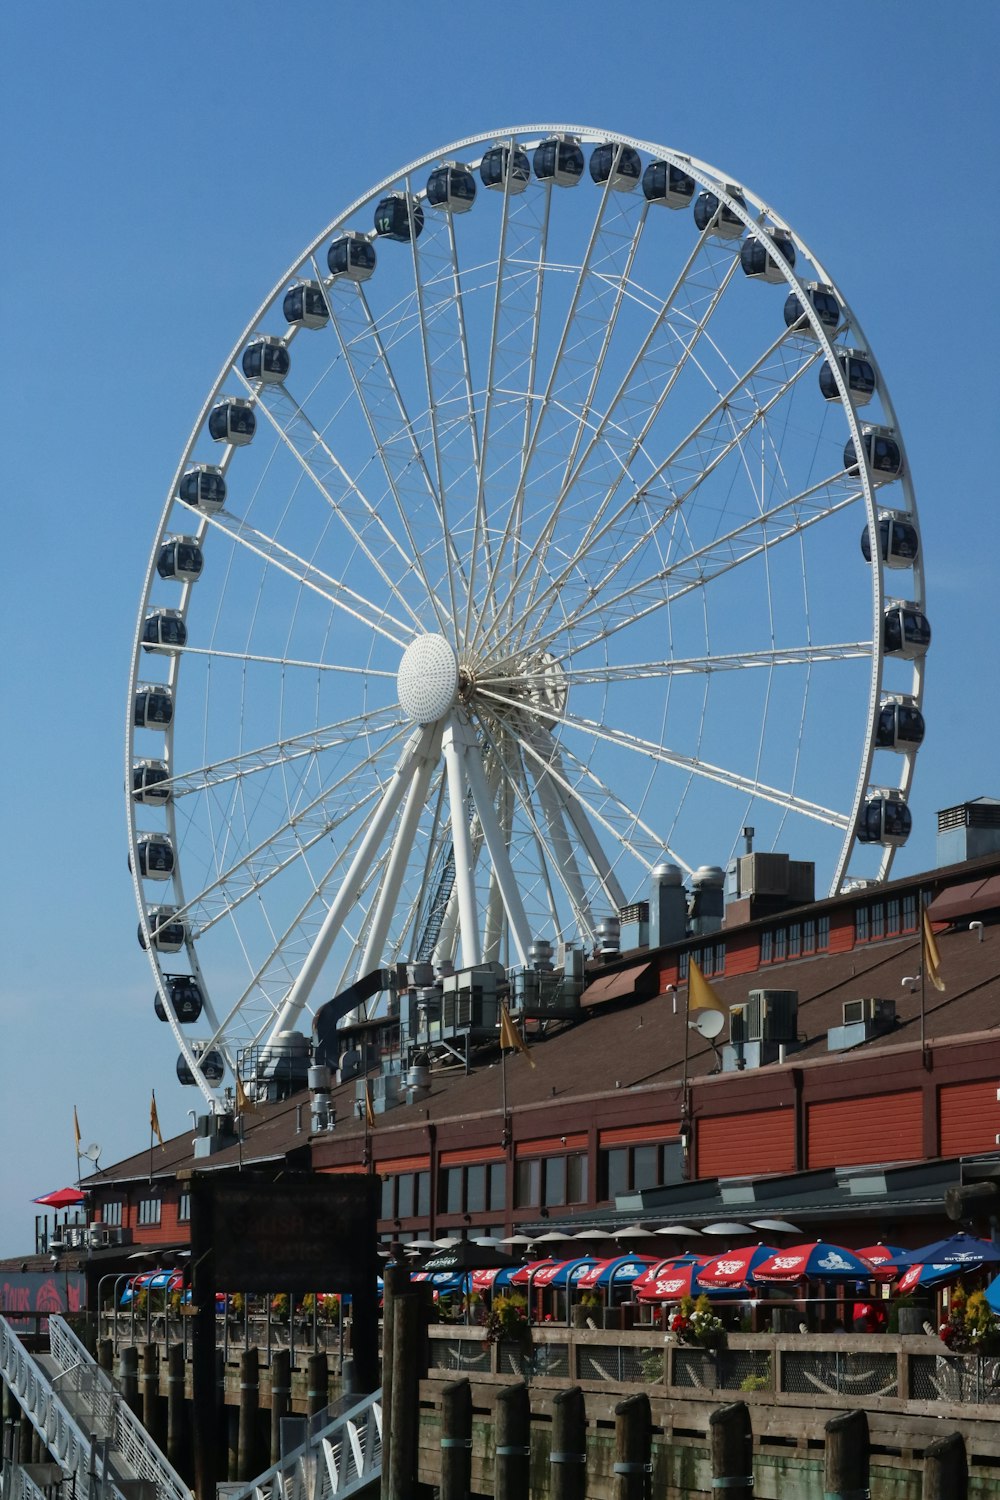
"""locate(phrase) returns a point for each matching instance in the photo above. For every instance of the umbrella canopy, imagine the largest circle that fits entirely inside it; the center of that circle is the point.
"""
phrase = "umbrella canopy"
(728, 1228)
(517, 1239)
(552, 1272)
(957, 1250)
(883, 1258)
(621, 1269)
(67, 1197)
(927, 1275)
(634, 1232)
(680, 1229)
(468, 1255)
(733, 1268)
(669, 1284)
(485, 1281)
(441, 1281)
(993, 1295)
(817, 1260)
(775, 1226)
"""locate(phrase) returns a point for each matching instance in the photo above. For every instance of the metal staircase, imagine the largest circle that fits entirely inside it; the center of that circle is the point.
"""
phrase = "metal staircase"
(82, 1420)
(103, 1448)
(341, 1458)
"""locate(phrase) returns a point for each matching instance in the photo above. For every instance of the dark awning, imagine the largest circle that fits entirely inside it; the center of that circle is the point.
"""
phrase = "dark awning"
(637, 982)
(965, 900)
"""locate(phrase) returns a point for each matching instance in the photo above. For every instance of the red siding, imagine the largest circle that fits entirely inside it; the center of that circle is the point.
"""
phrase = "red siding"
(470, 1155)
(554, 1145)
(631, 1135)
(968, 1117)
(852, 1132)
(761, 1140)
(404, 1164)
(841, 931)
(742, 954)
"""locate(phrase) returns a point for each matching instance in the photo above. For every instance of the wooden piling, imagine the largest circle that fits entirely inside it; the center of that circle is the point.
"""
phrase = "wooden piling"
(128, 1379)
(456, 1441)
(568, 1455)
(404, 1410)
(512, 1431)
(633, 1449)
(281, 1395)
(848, 1454)
(946, 1469)
(318, 1387)
(177, 1451)
(151, 1407)
(396, 1282)
(731, 1440)
(248, 1465)
(106, 1355)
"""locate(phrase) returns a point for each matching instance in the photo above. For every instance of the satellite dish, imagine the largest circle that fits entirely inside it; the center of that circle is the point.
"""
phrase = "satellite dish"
(91, 1152)
(709, 1023)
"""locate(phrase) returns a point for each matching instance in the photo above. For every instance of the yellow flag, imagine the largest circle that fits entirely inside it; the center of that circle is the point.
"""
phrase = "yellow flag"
(244, 1104)
(701, 995)
(369, 1110)
(154, 1120)
(76, 1130)
(511, 1039)
(932, 958)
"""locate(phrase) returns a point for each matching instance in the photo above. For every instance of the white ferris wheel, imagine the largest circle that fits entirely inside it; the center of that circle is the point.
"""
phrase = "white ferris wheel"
(514, 551)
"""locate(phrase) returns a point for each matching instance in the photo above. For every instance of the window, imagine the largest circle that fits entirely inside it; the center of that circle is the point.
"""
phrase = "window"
(184, 1209)
(149, 1211)
(388, 1209)
(683, 961)
(766, 947)
(720, 958)
(111, 1213)
(823, 934)
(404, 1195)
(892, 916)
(475, 1189)
(452, 1197)
(794, 939)
(626, 1169)
(910, 913)
(809, 936)
(780, 944)
(554, 1185)
(497, 1195)
(861, 924)
(878, 919)
(528, 1183)
(576, 1178)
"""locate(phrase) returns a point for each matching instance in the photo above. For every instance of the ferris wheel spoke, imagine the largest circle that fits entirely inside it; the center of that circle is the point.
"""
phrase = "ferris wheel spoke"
(377, 392)
(702, 768)
(546, 401)
(281, 752)
(278, 556)
(697, 469)
(696, 665)
(648, 366)
(285, 844)
(317, 460)
(256, 659)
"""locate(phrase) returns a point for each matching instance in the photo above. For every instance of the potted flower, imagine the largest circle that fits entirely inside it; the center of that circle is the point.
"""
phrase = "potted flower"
(280, 1308)
(507, 1320)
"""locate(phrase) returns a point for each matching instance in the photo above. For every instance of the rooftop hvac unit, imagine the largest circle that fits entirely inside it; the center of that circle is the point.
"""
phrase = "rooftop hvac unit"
(870, 1011)
(102, 1235)
(766, 1016)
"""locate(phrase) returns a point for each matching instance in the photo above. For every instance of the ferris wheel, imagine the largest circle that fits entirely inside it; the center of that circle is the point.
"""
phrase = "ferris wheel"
(515, 551)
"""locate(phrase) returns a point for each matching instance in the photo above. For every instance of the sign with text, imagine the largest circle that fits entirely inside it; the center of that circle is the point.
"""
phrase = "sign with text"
(301, 1233)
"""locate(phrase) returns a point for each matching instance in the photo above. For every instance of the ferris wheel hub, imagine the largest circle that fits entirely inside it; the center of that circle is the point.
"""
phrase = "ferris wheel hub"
(427, 680)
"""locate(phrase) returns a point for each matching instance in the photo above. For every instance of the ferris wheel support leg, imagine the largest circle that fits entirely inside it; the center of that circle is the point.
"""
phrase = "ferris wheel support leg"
(562, 849)
(465, 881)
(300, 991)
(494, 905)
(499, 856)
(425, 759)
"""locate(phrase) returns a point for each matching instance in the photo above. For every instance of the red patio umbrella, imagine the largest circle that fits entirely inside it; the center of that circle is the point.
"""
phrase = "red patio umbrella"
(67, 1197)
(669, 1284)
(818, 1260)
(732, 1270)
(883, 1258)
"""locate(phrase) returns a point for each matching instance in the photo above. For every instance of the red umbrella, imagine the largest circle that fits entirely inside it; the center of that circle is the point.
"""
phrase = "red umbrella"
(668, 1284)
(883, 1258)
(732, 1269)
(67, 1197)
(817, 1260)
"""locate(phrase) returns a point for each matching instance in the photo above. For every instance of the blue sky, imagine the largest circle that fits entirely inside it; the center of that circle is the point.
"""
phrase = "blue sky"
(157, 177)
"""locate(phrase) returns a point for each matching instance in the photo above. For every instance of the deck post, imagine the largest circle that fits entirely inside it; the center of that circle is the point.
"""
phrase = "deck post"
(456, 1440)
(848, 1454)
(633, 1467)
(946, 1469)
(731, 1437)
(512, 1432)
(568, 1456)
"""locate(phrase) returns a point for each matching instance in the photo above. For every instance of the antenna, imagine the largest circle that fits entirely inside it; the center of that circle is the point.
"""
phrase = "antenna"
(708, 1023)
(92, 1152)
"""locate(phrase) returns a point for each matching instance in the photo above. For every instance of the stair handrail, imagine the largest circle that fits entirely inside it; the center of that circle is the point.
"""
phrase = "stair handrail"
(338, 1460)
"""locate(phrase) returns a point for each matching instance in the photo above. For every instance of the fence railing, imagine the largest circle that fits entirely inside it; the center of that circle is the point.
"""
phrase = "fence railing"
(833, 1369)
(339, 1459)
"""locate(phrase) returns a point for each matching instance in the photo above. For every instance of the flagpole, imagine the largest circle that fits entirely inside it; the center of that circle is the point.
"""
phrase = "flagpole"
(685, 1115)
(504, 1133)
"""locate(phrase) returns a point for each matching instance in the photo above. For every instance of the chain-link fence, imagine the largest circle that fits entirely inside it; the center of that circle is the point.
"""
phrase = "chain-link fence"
(956, 1377)
(827, 1372)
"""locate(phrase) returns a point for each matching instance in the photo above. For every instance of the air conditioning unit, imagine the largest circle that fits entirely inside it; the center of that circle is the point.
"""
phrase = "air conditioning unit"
(766, 1016)
(100, 1236)
(870, 1011)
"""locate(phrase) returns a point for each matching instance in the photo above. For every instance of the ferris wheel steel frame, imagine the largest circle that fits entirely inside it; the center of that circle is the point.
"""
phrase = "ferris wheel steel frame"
(562, 803)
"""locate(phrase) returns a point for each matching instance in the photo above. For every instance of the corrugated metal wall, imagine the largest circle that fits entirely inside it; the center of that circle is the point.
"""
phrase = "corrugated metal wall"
(851, 1132)
(968, 1116)
(761, 1140)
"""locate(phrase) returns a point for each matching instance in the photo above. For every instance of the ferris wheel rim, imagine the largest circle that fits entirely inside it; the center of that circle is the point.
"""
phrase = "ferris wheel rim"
(709, 178)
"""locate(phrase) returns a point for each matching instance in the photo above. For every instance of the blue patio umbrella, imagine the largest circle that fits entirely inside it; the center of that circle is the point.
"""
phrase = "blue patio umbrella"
(957, 1250)
(993, 1295)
